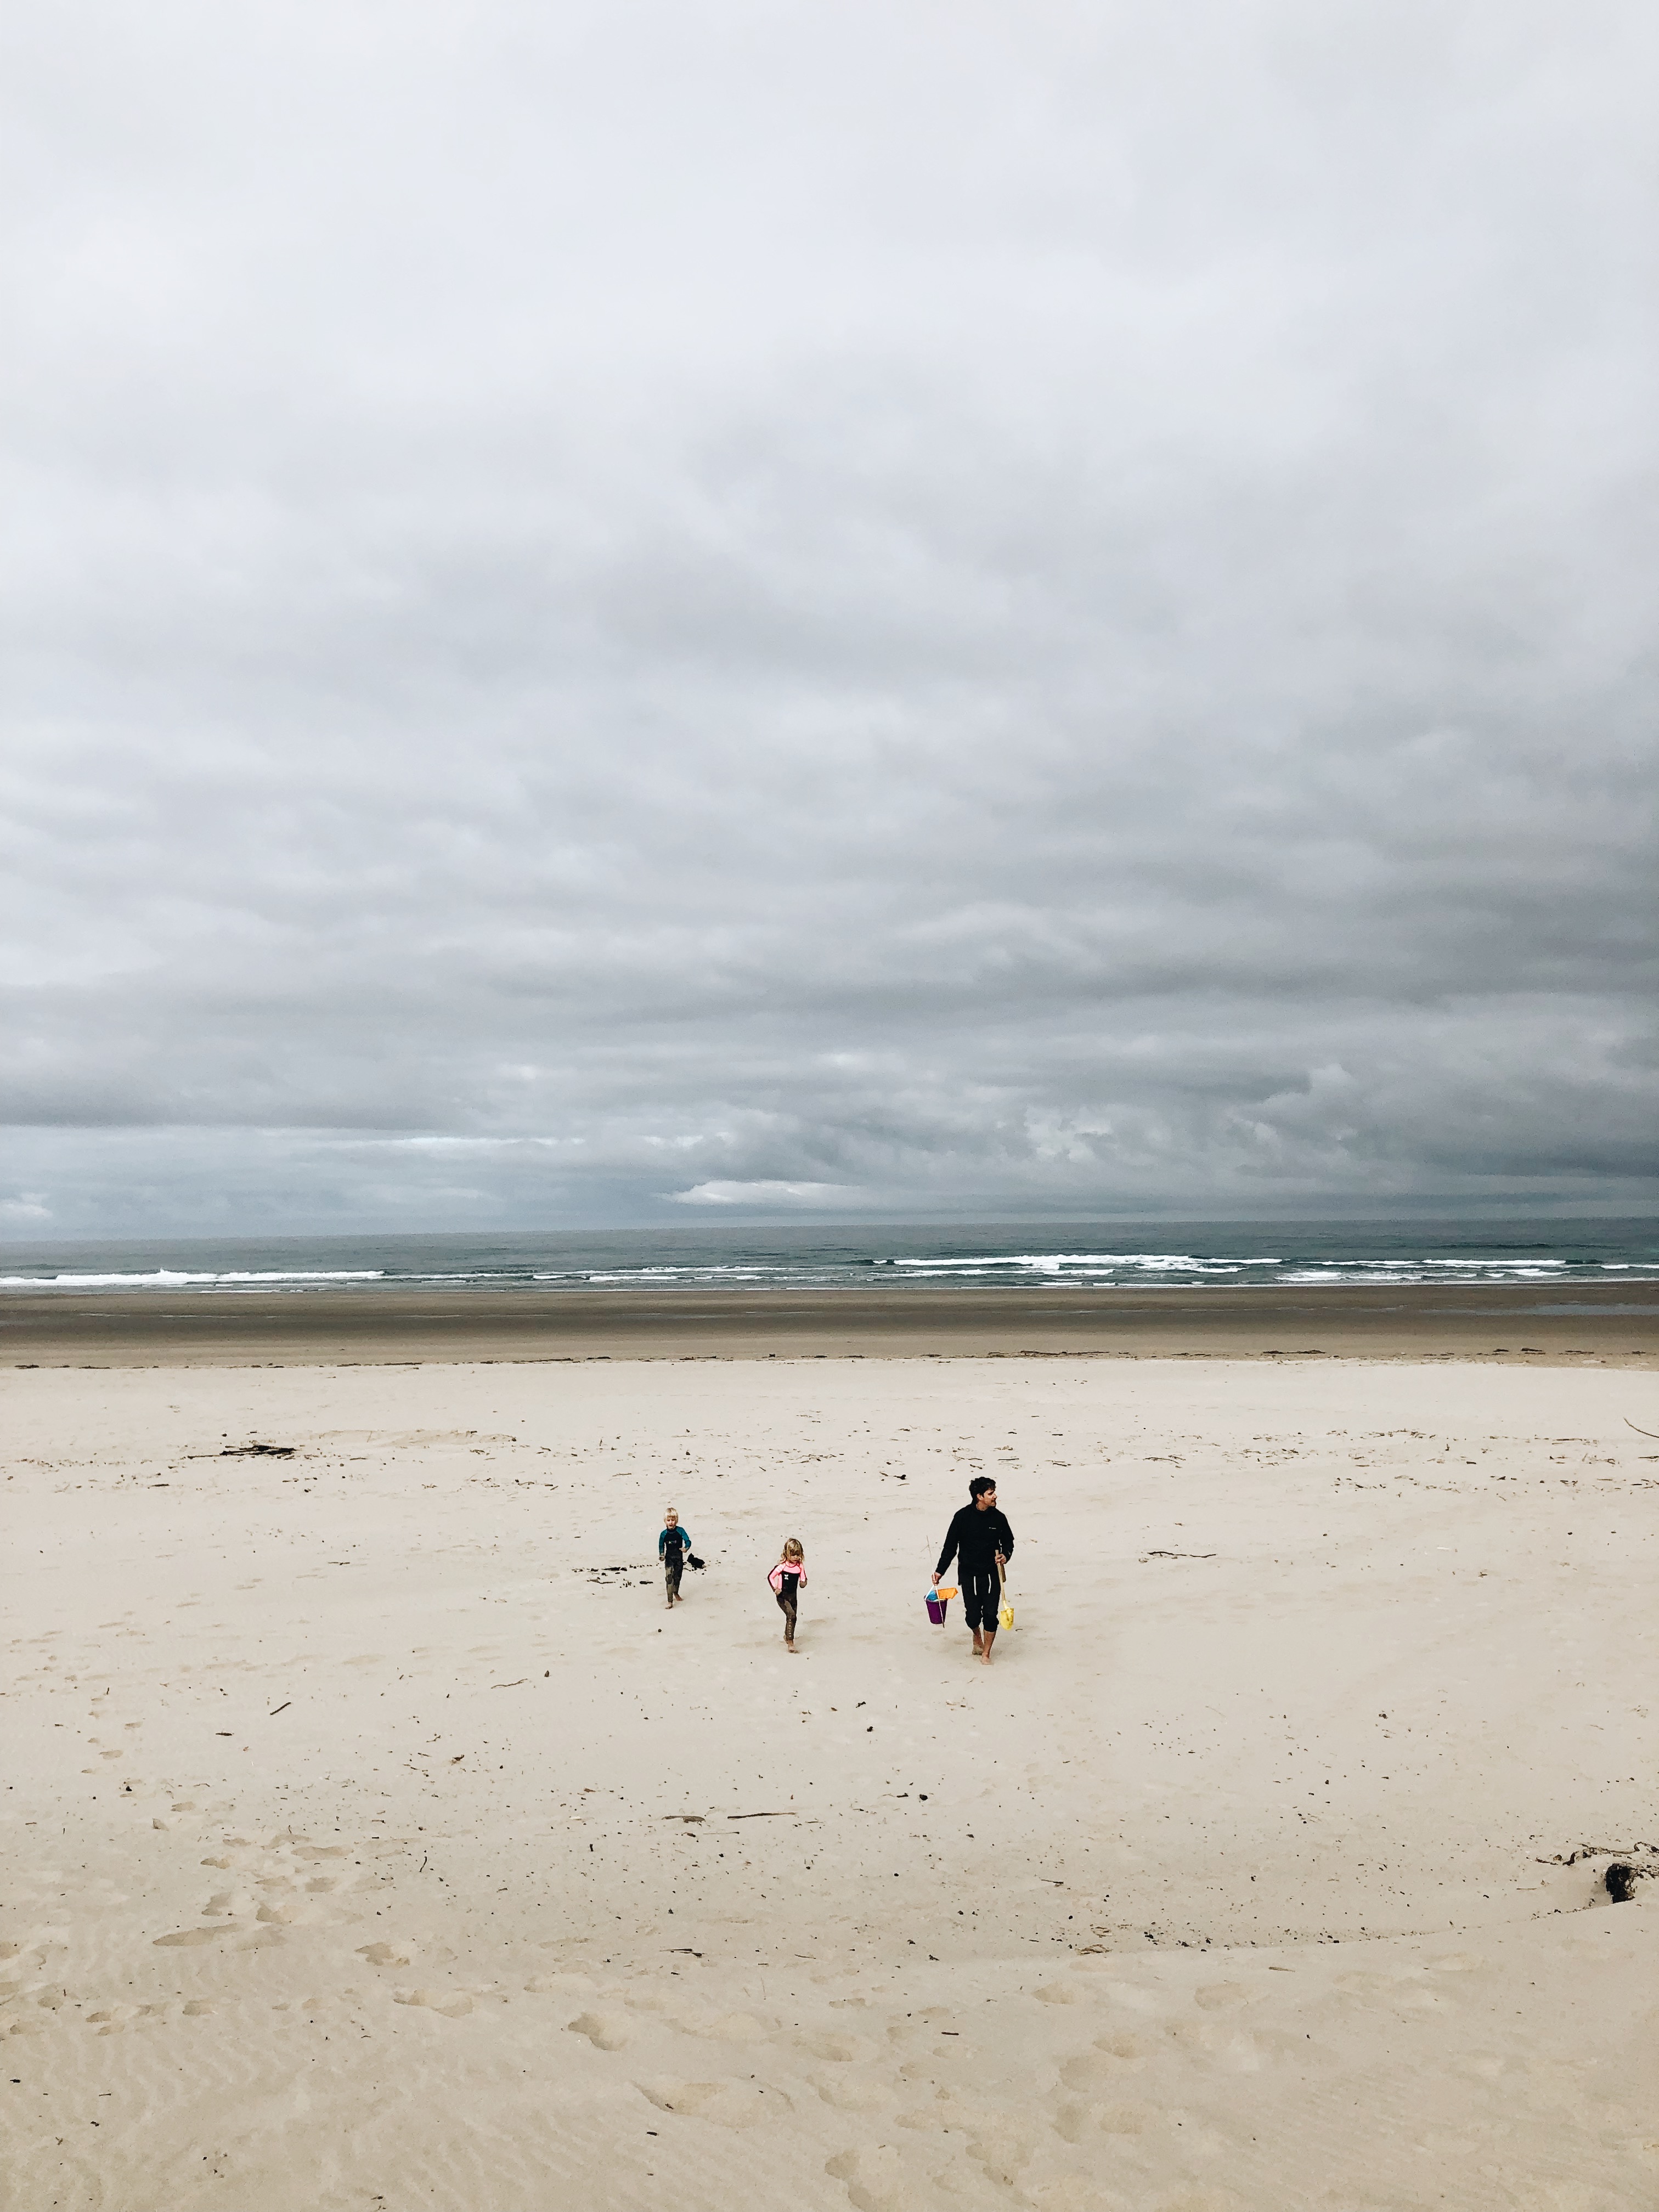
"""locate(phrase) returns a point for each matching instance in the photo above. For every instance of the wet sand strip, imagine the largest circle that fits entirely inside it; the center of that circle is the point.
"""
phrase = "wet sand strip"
(1526, 1323)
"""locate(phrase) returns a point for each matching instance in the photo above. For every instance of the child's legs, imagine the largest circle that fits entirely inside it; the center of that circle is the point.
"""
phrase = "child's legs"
(672, 1566)
(787, 1608)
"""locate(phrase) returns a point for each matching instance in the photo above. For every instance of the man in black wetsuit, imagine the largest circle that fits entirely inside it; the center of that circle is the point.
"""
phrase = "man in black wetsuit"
(981, 1542)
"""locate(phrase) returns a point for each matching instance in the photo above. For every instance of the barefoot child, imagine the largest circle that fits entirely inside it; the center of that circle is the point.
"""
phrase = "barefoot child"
(787, 1579)
(673, 1549)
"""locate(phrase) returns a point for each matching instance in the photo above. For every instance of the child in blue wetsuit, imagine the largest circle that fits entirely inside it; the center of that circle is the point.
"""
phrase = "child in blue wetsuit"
(673, 1549)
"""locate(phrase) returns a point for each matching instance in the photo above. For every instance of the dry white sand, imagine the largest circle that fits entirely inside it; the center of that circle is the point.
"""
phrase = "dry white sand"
(371, 1840)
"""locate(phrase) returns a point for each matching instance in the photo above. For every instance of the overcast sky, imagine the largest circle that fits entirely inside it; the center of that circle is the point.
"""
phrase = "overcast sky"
(671, 610)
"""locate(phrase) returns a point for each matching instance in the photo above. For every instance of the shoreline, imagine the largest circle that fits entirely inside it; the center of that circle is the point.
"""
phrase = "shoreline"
(1530, 1324)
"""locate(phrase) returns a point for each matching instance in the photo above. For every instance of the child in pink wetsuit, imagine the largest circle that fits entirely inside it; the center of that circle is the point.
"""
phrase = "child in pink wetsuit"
(789, 1579)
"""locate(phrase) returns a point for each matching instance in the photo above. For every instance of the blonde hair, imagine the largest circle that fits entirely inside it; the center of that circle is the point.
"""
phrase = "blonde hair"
(792, 1549)
(671, 1512)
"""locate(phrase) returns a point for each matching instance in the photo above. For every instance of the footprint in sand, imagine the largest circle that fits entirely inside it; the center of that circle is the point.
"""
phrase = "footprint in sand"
(745, 2105)
(678, 2096)
(1217, 1996)
(840, 2050)
(1076, 2123)
(604, 2031)
(191, 1936)
(454, 2004)
(387, 1954)
(878, 2179)
(853, 2092)
(1002, 2149)
(1112, 2056)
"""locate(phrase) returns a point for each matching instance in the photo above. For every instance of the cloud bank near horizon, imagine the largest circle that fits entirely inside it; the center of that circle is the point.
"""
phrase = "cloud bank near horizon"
(633, 613)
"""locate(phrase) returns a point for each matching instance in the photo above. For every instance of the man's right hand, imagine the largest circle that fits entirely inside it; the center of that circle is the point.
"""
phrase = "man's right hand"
(936, 1582)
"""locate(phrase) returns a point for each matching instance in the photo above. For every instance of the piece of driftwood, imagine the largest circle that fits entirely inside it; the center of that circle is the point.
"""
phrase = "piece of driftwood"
(249, 1451)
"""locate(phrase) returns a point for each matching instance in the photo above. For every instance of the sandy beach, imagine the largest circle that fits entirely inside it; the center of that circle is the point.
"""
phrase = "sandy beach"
(375, 1836)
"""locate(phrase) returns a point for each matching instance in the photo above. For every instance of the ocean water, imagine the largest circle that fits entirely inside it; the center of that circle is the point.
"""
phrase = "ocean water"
(1038, 1256)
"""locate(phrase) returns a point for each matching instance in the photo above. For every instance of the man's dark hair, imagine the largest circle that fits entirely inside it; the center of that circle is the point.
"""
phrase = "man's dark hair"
(980, 1484)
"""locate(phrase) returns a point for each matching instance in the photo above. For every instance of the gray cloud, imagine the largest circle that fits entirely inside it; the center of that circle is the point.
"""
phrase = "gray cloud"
(649, 608)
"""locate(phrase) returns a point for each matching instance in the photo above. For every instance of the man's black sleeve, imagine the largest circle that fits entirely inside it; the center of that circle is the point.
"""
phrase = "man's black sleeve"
(953, 1536)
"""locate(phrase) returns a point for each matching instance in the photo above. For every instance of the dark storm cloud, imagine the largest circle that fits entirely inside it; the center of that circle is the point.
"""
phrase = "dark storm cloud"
(860, 609)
